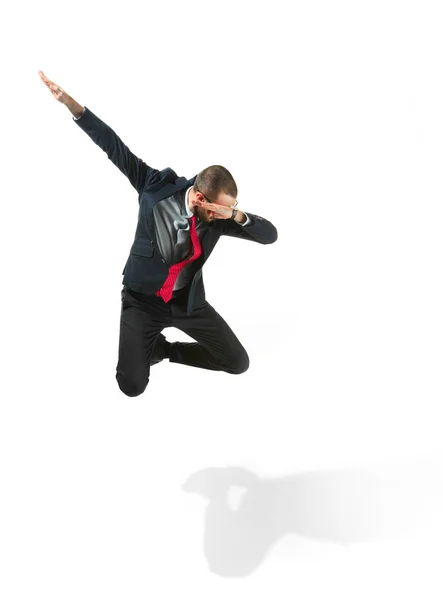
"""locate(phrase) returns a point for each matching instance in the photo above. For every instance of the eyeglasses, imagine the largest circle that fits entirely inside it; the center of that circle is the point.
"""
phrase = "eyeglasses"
(210, 201)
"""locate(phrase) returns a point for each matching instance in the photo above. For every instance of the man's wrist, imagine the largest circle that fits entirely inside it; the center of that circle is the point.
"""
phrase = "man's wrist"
(240, 217)
(75, 108)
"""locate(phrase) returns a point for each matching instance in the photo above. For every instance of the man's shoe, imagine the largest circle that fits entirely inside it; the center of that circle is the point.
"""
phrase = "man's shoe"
(160, 350)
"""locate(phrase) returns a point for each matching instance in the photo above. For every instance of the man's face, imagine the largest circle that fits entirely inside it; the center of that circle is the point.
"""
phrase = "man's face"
(208, 215)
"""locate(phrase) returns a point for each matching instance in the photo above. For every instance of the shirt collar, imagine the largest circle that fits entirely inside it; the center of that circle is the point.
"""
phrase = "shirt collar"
(188, 212)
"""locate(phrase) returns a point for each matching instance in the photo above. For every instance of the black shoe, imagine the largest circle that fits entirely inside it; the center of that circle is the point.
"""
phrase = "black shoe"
(160, 350)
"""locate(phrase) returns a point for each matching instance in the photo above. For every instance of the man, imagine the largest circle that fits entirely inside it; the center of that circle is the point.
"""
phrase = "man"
(179, 224)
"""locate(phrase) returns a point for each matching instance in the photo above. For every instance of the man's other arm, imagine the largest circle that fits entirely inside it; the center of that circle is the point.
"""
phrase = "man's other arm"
(135, 169)
(254, 228)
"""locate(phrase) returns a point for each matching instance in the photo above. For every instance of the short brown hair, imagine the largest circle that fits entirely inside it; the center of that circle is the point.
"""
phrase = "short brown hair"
(215, 179)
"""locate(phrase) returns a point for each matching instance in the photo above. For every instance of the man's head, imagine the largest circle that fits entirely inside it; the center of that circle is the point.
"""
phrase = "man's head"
(214, 184)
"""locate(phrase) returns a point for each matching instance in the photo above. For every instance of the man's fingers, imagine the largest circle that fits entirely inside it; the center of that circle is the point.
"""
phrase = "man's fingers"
(207, 205)
(43, 76)
(51, 85)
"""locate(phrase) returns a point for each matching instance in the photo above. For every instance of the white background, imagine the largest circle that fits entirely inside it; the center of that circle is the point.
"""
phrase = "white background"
(329, 116)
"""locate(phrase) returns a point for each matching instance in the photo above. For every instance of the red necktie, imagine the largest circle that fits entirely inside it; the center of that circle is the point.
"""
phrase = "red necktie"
(166, 290)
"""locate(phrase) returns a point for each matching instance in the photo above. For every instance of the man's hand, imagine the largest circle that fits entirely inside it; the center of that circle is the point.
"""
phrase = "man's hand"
(58, 93)
(219, 211)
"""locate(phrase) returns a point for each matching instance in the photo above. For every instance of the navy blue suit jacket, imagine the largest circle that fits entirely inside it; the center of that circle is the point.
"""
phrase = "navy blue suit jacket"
(145, 270)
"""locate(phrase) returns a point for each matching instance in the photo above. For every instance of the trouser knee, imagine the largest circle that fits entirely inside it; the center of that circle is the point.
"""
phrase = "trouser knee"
(238, 364)
(131, 387)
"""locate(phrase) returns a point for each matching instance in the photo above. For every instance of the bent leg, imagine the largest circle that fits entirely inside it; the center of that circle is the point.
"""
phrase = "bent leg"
(139, 329)
(216, 348)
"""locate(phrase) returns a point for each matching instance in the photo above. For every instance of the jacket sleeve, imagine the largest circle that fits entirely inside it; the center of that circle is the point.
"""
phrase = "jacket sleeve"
(135, 169)
(257, 229)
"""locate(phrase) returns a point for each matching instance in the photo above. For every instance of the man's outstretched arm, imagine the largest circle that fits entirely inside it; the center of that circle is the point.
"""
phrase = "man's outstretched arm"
(135, 169)
(257, 229)
(246, 226)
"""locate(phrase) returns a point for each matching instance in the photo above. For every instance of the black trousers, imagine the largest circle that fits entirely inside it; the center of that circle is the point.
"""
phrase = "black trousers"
(144, 316)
